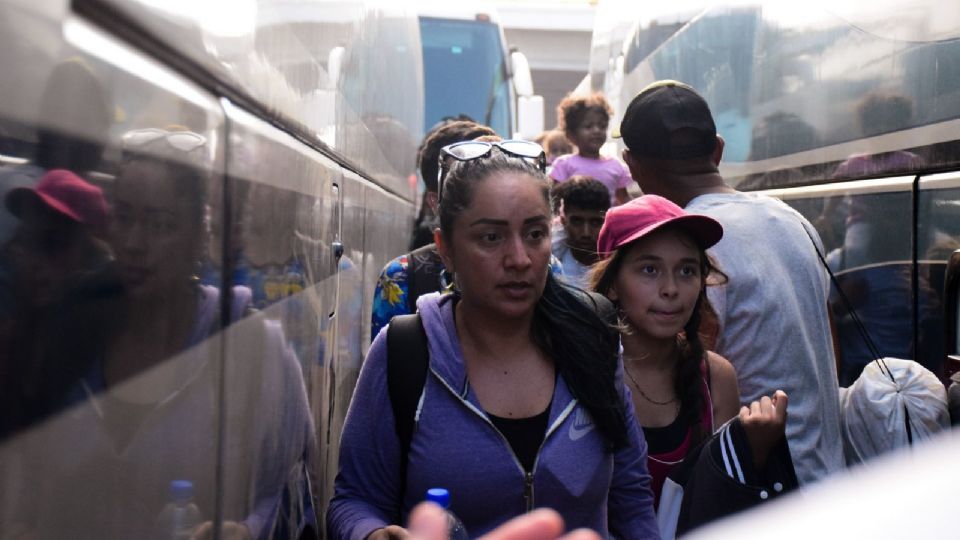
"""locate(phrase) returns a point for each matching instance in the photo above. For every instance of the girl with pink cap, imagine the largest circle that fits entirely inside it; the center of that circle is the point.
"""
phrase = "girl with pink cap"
(655, 269)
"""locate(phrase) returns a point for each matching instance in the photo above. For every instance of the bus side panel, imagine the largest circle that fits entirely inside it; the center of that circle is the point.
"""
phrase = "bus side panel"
(284, 224)
(115, 160)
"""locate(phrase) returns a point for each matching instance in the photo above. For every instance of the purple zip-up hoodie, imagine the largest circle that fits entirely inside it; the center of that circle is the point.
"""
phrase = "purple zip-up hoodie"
(455, 446)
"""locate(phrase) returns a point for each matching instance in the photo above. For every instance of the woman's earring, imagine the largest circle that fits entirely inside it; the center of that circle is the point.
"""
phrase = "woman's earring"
(448, 281)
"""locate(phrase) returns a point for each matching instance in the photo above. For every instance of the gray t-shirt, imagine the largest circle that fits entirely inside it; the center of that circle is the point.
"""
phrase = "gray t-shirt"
(774, 326)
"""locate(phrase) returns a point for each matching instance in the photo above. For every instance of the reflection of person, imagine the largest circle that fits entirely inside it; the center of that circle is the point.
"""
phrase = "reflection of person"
(148, 410)
(270, 267)
(524, 404)
(874, 258)
(772, 313)
(69, 136)
(864, 225)
(584, 120)
(582, 203)
(655, 269)
(48, 270)
(878, 113)
(62, 220)
(879, 294)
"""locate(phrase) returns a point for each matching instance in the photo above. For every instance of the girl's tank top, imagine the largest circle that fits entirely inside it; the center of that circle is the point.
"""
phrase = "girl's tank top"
(661, 463)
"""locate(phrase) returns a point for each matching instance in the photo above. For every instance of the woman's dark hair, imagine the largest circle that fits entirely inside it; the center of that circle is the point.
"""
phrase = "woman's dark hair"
(686, 382)
(566, 326)
(572, 109)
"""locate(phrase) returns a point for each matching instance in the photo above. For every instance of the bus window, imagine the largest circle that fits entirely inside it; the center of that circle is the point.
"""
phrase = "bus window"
(465, 72)
(938, 236)
(867, 239)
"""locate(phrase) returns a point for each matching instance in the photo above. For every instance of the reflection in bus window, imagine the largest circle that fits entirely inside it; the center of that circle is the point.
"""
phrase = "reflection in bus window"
(55, 288)
(938, 236)
(143, 413)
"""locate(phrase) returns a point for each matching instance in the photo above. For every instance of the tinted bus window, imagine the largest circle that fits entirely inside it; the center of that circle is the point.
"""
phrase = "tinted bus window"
(465, 73)
(868, 244)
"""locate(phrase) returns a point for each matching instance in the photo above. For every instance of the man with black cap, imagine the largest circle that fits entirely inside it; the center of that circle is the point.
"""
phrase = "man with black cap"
(773, 320)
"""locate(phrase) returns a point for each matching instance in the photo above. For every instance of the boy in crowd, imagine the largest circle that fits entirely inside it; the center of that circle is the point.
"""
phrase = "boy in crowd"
(583, 203)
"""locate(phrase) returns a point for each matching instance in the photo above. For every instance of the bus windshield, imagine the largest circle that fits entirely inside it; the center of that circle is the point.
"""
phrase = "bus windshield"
(464, 72)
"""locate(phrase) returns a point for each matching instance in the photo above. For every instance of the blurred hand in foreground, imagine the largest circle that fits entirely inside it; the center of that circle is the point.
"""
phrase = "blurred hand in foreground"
(428, 522)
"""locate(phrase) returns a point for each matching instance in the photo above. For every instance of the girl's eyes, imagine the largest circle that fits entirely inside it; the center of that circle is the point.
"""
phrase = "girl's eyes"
(684, 271)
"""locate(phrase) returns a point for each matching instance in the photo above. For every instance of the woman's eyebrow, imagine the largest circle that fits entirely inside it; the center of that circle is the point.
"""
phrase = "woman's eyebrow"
(535, 219)
(504, 223)
(490, 221)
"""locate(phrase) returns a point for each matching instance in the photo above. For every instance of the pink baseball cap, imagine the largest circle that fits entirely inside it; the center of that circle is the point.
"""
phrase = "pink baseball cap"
(66, 193)
(641, 216)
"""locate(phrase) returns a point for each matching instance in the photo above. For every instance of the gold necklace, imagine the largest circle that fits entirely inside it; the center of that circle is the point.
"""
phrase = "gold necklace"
(643, 394)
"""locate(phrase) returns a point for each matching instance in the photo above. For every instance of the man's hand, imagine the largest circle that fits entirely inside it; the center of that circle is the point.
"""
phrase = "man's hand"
(428, 522)
(764, 422)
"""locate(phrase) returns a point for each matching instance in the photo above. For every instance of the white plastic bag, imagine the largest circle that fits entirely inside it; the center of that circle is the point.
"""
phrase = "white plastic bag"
(874, 409)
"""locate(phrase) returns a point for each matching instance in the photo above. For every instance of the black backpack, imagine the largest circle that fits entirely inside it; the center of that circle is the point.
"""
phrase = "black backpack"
(407, 361)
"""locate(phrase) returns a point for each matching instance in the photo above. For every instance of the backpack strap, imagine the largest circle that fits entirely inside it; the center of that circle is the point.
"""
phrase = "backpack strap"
(407, 361)
(878, 358)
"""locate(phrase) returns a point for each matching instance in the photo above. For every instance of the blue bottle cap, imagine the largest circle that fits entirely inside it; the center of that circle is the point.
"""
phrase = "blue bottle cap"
(440, 496)
(181, 490)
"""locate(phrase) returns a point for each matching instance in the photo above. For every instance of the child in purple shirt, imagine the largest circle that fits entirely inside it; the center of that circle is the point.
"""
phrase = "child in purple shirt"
(584, 120)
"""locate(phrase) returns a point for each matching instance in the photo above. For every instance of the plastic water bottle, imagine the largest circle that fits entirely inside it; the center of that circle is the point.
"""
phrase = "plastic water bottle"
(442, 497)
(180, 516)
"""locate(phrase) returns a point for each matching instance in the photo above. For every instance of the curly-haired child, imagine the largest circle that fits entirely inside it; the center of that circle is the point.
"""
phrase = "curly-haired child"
(584, 120)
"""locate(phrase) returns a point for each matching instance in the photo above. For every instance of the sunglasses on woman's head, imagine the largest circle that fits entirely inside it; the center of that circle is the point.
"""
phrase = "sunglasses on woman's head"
(470, 150)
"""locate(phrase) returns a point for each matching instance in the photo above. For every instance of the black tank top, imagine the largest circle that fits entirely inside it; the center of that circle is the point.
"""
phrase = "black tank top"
(666, 438)
(525, 435)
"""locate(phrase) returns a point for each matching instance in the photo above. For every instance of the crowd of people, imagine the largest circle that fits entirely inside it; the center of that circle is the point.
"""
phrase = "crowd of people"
(554, 353)
(639, 389)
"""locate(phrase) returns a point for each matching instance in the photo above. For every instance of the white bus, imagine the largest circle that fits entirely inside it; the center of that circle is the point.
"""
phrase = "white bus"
(191, 323)
(847, 111)
(469, 70)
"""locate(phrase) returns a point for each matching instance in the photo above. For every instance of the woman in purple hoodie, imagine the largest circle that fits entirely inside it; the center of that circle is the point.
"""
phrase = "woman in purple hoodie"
(524, 404)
